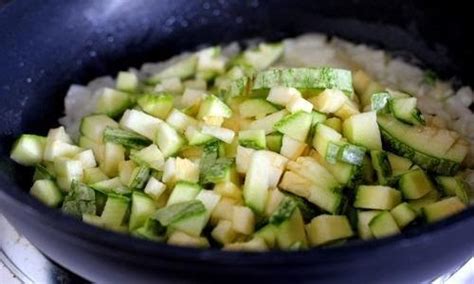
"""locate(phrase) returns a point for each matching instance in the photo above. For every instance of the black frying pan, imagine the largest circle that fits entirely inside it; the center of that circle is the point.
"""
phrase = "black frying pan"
(47, 45)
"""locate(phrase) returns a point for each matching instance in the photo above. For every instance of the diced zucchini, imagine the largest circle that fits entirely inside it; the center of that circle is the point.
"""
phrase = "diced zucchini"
(210, 63)
(256, 107)
(362, 129)
(368, 175)
(221, 170)
(243, 220)
(274, 142)
(298, 104)
(443, 209)
(223, 232)
(195, 136)
(310, 169)
(295, 125)
(418, 204)
(263, 56)
(252, 139)
(168, 140)
(223, 134)
(154, 188)
(268, 234)
(398, 164)
(332, 151)
(346, 174)
(115, 210)
(67, 171)
(222, 212)
(405, 110)
(127, 82)
(47, 192)
(308, 210)
(254, 245)
(112, 102)
(377, 197)
(151, 230)
(282, 95)
(329, 101)
(183, 69)
(44, 172)
(228, 189)
(139, 178)
(213, 120)
(403, 214)
(234, 73)
(325, 229)
(257, 182)
(58, 134)
(335, 123)
(381, 165)
(454, 186)
(172, 85)
(125, 169)
(96, 147)
(324, 197)
(363, 220)
(291, 232)
(348, 109)
(323, 136)
(125, 138)
(415, 184)
(192, 98)
(307, 80)
(182, 239)
(81, 199)
(180, 121)
(317, 118)
(93, 175)
(93, 126)
(142, 207)
(236, 88)
(365, 87)
(243, 158)
(113, 185)
(86, 158)
(283, 212)
(150, 156)
(380, 101)
(351, 154)
(59, 149)
(292, 148)
(183, 191)
(158, 105)
(442, 155)
(267, 123)
(179, 211)
(28, 149)
(113, 154)
(275, 198)
(185, 170)
(383, 225)
(211, 106)
(140, 122)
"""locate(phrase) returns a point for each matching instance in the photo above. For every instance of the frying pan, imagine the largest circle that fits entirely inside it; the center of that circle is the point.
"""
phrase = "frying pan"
(47, 45)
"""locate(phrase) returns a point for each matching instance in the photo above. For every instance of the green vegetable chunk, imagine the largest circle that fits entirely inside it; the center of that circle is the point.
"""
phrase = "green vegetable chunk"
(179, 211)
(125, 138)
(80, 200)
(307, 80)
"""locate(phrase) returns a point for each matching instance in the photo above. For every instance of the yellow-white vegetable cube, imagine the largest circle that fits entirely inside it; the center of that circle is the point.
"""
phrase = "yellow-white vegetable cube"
(243, 220)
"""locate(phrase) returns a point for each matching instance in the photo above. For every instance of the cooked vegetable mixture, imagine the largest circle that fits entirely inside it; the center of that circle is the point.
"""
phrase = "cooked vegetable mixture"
(243, 153)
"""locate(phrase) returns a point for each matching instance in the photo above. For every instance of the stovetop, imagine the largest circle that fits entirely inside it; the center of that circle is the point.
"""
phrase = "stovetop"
(21, 262)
